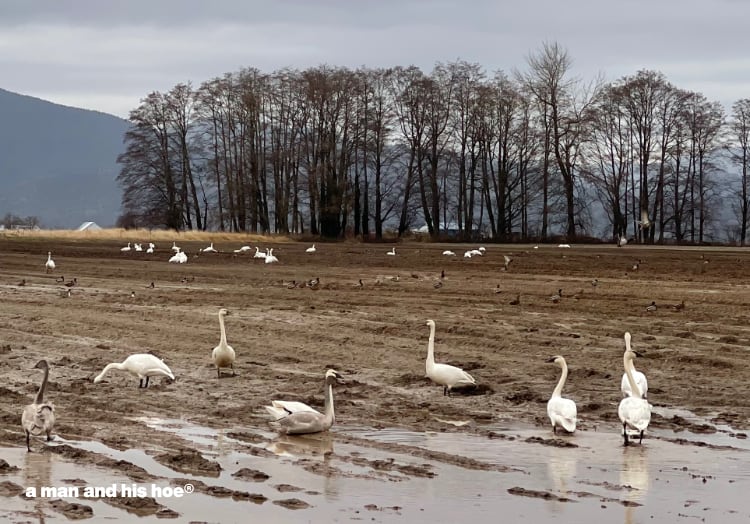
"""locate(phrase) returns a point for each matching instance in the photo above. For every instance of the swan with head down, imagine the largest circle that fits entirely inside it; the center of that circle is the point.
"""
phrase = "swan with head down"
(39, 417)
(444, 374)
(141, 365)
(297, 418)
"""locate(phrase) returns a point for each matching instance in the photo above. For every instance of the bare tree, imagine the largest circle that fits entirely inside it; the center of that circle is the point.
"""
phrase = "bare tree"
(739, 153)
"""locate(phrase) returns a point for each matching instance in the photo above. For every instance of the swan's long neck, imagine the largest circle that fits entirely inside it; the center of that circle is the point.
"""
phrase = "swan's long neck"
(629, 368)
(563, 377)
(223, 340)
(330, 416)
(431, 347)
(40, 394)
(113, 365)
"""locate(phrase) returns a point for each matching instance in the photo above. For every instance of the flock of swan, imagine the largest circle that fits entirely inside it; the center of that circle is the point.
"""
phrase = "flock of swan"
(180, 257)
(294, 417)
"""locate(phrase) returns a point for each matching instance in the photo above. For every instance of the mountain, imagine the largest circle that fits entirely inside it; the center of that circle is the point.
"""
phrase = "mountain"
(58, 163)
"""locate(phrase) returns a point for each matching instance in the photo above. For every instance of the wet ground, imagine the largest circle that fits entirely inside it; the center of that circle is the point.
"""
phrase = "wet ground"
(400, 450)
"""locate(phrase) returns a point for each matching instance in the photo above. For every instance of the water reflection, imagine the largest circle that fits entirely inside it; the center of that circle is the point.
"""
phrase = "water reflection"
(292, 445)
(561, 468)
(635, 478)
(38, 474)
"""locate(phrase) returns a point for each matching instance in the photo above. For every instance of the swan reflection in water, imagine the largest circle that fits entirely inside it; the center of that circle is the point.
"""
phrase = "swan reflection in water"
(561, 468)
(294, 445)
(38, 474)
(634, 478)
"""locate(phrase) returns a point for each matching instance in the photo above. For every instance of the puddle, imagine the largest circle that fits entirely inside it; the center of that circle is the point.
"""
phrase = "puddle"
(393, 475)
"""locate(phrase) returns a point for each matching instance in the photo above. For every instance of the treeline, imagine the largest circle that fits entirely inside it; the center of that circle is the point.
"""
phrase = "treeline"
(333, 151)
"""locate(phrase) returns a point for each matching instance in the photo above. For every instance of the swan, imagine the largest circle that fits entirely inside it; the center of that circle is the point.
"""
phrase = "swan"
(295, 418)
(310, 249)
(467, 254)
(174, 247)
(137, 247)
(150, 249)
(444, 374)
(449, 253)
(270, 257)
(392, 252)
(482, 249)
(476, 253)
(506, 262)
(223, 354)
(125, 249)
(634, 411)
(640, 378)
(561, 411)
(50, 265)
(258, 254)
(142, 365)
(209, 249)
(175, 259)
(243, 249)
(39, 417)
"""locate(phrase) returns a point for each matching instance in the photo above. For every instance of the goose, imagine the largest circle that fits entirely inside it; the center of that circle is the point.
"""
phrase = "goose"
(65, 293)
(557, 296)
(449, 253)
(595, 282)
(561, 411)
(72, 283)
(651, 308)
(22, 282)
(137, 247)
(639, 377)
(310, 249)
(142, 365)
(359, 284)
(296, 418)
(125, 249)
(516, 301)
(174, 247)
(39, 417)
(210, 249)
(258, 254)
(223, 354)
(438, 284)
(444, 374)
(314, 283)
(392, 252)
(634, 411)
(679, 307)
(60, 279)
(270, 257)
(50, 265)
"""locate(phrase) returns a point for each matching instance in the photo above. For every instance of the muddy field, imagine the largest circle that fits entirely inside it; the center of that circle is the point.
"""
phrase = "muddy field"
(366, 319)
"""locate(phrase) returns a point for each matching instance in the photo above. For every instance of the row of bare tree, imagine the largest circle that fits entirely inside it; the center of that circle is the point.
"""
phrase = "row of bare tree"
(330, 151)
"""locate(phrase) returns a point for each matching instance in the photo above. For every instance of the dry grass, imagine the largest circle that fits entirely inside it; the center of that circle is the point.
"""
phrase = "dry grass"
(140, 235)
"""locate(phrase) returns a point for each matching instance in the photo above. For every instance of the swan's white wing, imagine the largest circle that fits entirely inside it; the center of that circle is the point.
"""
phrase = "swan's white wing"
(563, 412)
(635, 413)
(292, 406)
(38, 418)
(451, 376)
(302, 422)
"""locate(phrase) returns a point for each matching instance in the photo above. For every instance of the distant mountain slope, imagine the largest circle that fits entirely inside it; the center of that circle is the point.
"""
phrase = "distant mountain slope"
(58, 163)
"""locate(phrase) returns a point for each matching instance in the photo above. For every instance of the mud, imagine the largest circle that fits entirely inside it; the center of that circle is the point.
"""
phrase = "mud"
(375, 335)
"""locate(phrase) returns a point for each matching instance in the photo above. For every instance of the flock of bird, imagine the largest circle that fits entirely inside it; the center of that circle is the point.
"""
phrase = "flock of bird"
(293, 417)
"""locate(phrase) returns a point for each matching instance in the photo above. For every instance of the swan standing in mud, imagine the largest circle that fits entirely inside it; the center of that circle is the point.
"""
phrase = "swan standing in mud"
(39, 417)
(634, 411)
(50, 265)
(561, 411)
(223, 354)
(297, 418)
(141, 365)
(310, 249)
(444, 374)
(640, 378)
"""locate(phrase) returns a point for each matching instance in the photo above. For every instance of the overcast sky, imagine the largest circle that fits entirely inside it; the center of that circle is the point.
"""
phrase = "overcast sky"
(107, 55)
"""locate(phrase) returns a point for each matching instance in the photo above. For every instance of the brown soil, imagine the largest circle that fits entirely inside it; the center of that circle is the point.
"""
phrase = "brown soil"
(374, 334)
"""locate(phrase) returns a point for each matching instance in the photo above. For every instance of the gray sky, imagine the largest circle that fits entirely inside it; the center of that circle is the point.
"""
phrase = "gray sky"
(107, 55)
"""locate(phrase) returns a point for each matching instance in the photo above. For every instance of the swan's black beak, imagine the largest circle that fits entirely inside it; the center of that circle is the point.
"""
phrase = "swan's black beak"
(551, 359)
(639, 353)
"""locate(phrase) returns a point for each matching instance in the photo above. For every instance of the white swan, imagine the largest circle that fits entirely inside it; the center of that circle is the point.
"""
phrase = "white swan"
(258, 254)
(640, 378)
(449, 253)
(561, 411)
(310, 249)
(50, 265)
(444, 374)
(223, 354)
(634, 411)
(243, 249)
(270, 257)
(295, 418)
(175, 259)
(392, 252)
(210, 249)
(39, 417)
(150, 249)
(174, 247)
(125, 249)
(142, 365)
(137, 247)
